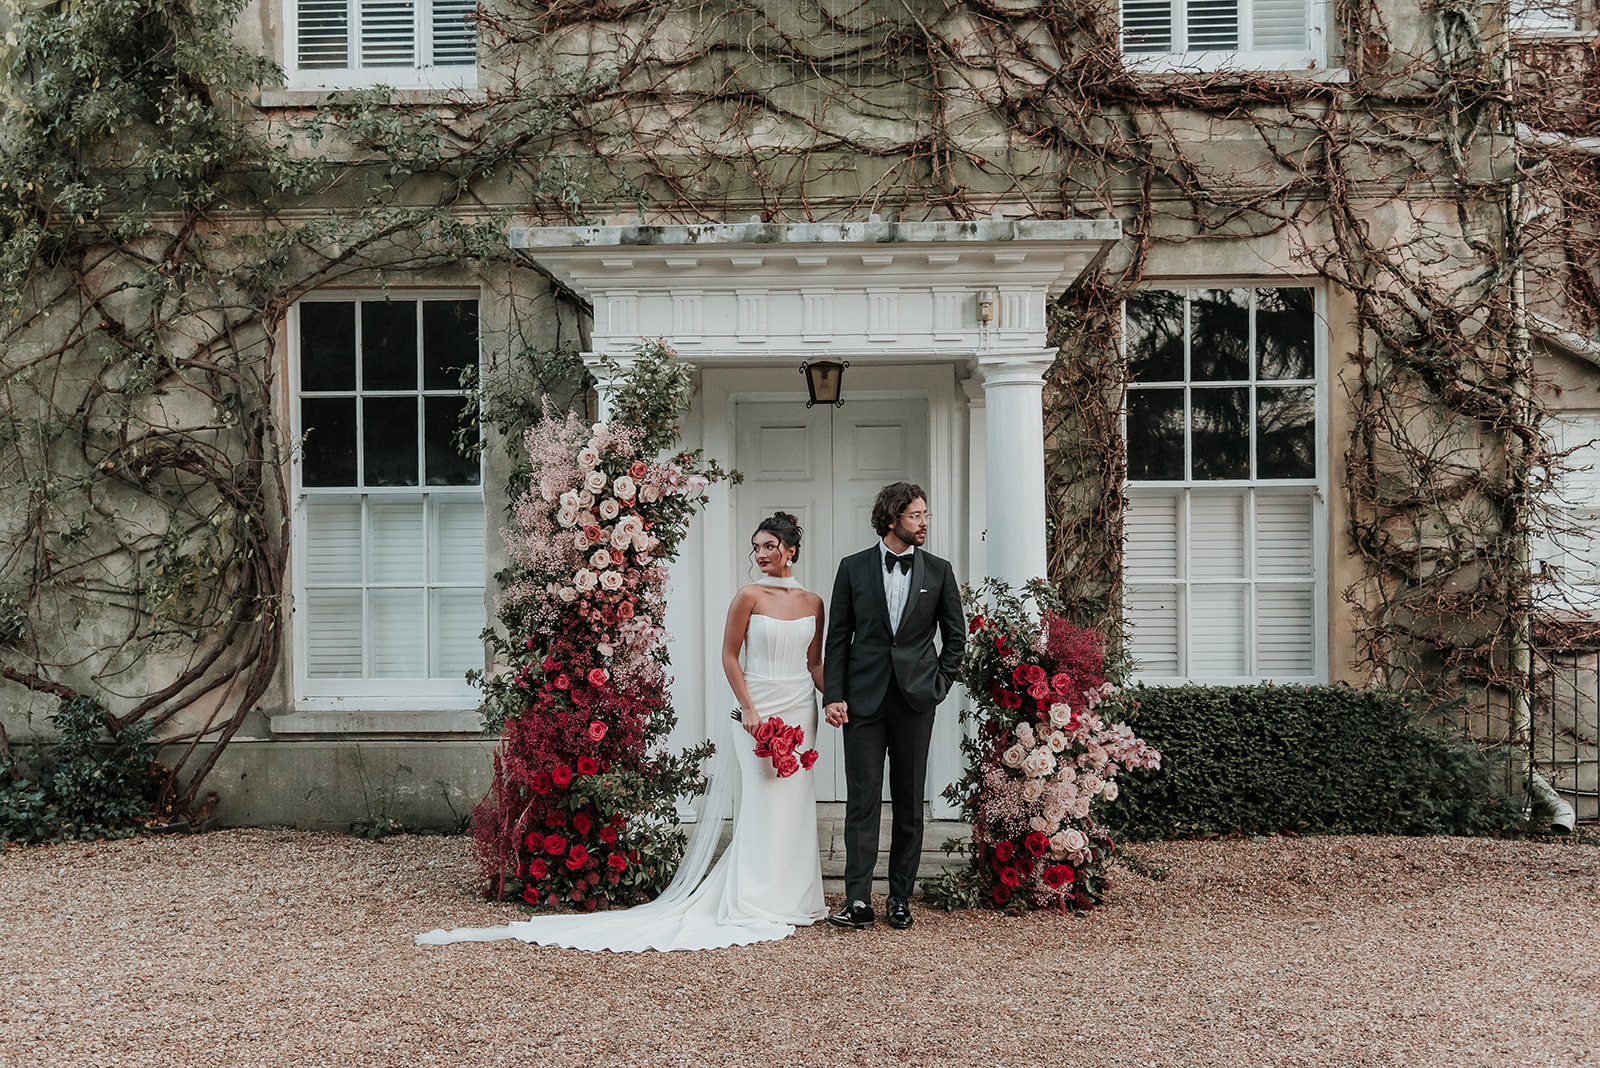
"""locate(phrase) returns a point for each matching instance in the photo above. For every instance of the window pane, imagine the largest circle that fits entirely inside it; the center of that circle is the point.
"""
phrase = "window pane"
(449, 341)
(1146, 26)
(388, 33)
(1155, 434)
(1151, 546)
(333, 634)
(1216, 536)
(1285, 632)
(457, 626)
(396, 542)
(329, 456)
(1218, 636)
(1154, 636)
(324, 30)
(1220, 351)
(1278, 25)
(1221, 443)
(455, 33)
(327, 346)
(1213, 25)
(446, 465)
(456, 542)
(389, 435)
(333, 542)
(399, 633)
(1154, 335)
(1284, 323)
(388, 344)
(1286, 432)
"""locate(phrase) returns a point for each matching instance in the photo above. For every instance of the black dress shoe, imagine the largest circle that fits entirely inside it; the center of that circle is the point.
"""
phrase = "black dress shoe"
(899, 913)
(857, 915)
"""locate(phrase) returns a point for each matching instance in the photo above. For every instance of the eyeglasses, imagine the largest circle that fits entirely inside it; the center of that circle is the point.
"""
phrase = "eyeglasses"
(917, 517)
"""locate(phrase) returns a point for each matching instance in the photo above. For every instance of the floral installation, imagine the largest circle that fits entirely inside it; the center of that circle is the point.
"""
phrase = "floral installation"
(1044, 753)
(778, 741)
(581, 809)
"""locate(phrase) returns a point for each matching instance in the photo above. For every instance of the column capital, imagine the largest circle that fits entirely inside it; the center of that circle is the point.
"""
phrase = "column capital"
(1013, 368)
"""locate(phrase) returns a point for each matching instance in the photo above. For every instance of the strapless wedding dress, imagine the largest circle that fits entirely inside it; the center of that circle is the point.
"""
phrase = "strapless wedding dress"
(768, 880)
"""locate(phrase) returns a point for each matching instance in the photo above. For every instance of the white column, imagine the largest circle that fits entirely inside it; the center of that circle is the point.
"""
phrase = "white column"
(1013, 388)
(977, 501)
(606, 379)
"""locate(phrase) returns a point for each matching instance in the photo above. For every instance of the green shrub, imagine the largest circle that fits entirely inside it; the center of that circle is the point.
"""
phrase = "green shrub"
(1305, 759)
(92, 785)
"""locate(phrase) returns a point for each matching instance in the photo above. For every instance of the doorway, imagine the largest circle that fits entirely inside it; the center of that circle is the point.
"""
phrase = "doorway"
(825, 465)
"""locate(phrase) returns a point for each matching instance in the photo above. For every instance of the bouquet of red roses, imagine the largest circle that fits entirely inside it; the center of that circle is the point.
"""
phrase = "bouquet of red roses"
(778, 741)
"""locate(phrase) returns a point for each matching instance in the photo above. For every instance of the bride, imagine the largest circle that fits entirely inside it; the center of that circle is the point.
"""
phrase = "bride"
(769, 879)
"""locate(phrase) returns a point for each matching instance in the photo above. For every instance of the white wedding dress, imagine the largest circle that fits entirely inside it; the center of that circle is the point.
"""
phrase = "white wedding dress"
(768, 881)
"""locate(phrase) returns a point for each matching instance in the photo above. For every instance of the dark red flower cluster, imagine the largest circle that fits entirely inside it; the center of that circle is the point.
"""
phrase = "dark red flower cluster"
(777, 741)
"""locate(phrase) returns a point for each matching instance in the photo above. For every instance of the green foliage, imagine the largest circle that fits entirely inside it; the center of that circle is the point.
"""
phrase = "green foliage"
(94, 784)
(1306, 759)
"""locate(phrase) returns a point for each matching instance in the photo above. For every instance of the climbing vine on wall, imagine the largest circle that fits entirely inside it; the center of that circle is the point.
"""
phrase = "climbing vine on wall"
(156, 223)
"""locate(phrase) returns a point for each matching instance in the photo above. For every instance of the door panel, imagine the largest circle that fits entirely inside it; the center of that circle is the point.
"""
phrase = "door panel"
(825, 465)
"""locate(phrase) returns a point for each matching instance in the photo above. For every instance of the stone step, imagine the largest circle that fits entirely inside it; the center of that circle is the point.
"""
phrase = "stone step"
(830, 844)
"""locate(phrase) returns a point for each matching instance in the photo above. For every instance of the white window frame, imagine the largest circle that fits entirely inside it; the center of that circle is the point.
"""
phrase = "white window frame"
(420, 75)
(1251, 490)
(1540, 18)
(1566, 560)
(370, 694)
(1314, 57)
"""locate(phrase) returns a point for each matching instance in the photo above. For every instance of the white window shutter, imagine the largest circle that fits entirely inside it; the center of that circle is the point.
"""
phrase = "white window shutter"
(1285, 632)
(457, 617)
(1154, 634)
(1279, 26)
(398, 630)
(1213, 26)
(333, 634)
(454, 33)
(1219, 631)
(322, 34)
(1216, 536)
(1284, 536)
(396, 542)
(333, 543)
(1147, 26)
(388, 33)
(455, 544)
(1150, 537)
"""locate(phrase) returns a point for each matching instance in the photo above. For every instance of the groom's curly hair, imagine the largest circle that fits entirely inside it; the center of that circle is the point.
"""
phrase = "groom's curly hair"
(892, 500)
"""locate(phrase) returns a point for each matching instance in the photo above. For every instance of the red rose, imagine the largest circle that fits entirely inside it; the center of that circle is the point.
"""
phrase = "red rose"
(1019, 675)
(588, 766)
(597, 731)
(1000, 645)
(1039, 691)
(580, 823)
(556, 819)
(597, 676)
(592, 532)
(531, 894)
(537, 869)
(617, 862)
(976, 625)
(1058, 875)
(577, 857)
(549, 664)
(562, 682)
(1035, 673)
(808, 759)
(561, 775)
(1061, 683)
(1008, 876)
(1002, 894)
(1003, 851)
(540, 782)
(618, 820)
(1010, 700)
(1036, 842)
(762, 750)
(535, 840)
(555, 845)
(767, 729)
(637, 470)
(633, 855)
(785, 765)
(608, 835)
(782, 745)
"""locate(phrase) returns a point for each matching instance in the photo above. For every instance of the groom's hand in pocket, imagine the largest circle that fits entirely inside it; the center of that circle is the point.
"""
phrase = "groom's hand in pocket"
(836, 713)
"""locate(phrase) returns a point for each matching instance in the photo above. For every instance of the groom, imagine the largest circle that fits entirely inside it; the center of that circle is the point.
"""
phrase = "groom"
(882, 679)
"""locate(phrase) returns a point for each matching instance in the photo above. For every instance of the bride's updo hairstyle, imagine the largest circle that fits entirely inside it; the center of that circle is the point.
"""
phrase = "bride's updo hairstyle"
(784, 527)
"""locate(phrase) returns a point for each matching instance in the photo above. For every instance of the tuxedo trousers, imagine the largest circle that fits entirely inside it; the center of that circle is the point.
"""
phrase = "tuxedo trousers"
(902, 735)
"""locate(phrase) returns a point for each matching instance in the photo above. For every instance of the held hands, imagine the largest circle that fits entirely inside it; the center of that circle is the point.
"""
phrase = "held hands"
(749, 720)
(836, 713)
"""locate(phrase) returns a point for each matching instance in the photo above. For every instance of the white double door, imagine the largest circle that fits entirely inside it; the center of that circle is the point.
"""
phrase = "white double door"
(825, 465)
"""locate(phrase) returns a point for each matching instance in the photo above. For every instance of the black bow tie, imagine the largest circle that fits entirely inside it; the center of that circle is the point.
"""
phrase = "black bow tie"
(890, 560)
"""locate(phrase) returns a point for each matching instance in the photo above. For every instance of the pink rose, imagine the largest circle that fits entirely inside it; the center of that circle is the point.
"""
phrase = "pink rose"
(1061, 683)
(597, 731)
(597, 676)
(637, 469)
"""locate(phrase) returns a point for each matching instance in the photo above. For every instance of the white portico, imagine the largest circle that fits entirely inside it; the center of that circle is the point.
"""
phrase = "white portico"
(939, 390)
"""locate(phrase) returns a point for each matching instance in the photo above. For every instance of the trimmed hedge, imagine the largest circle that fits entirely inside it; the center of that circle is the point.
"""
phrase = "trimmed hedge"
(1305, 759)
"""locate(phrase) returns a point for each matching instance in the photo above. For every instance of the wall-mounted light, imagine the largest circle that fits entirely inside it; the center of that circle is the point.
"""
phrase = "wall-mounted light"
(824, 379)
(986, 307)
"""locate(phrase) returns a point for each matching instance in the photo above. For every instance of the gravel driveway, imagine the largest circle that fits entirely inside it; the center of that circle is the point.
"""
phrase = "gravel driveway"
(254, 947)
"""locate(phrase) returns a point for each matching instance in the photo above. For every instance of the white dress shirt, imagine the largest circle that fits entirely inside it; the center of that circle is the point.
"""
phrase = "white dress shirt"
(896, 584)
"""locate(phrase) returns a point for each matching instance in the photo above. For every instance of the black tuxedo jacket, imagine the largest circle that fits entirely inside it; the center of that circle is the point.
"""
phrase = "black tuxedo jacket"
(861, 649)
